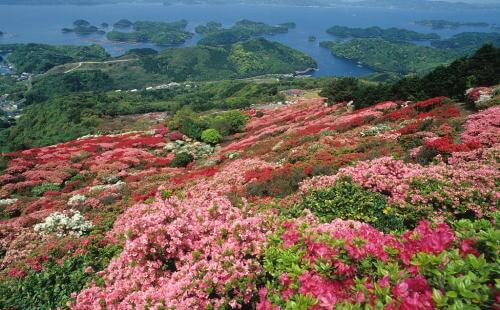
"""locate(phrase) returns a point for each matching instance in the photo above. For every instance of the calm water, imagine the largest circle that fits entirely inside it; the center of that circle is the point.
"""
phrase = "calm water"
(42, 24)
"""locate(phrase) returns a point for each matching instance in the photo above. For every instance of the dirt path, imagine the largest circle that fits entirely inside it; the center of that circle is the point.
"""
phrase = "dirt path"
(98, 62)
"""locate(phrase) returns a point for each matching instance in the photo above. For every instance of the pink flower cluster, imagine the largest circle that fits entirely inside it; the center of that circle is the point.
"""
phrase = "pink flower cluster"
(183, 254)
(483, 127)
(345, 245)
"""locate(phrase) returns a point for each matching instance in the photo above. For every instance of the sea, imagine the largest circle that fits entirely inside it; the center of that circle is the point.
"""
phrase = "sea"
(43, 24)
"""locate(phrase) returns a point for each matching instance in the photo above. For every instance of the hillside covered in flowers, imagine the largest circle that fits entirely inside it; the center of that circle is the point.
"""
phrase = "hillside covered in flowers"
(309, 205)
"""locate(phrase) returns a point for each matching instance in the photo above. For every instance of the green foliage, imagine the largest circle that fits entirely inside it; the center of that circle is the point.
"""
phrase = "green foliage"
(52, 287)
(39, 190)
(402, 58)
(211, 136)
(348, 201)
(38, 58)
(181, 160)
(390, 34)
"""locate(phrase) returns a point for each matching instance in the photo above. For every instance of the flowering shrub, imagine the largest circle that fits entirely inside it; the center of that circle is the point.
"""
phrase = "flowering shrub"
(347, 264)
(178, 264)
(63, 225)
(483, 127)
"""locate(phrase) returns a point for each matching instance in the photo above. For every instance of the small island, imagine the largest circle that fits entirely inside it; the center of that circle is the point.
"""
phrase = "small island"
(242, 30)
(1, 33)
(446, 24)
(83, 27)
(161, 33)
(104, 25)
(312, 39)
(122, 23)
(389, 34)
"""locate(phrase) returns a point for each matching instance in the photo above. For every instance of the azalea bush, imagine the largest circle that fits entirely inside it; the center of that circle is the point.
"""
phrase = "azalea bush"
(351, 265)
(64, 224)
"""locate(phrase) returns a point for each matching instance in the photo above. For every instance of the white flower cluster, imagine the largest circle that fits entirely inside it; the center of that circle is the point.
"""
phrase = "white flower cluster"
(197, 149)
(8, 201)
(64, 225)
(375, 130)
(76, 200)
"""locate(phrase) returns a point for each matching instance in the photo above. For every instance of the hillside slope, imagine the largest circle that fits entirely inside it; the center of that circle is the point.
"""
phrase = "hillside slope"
(311, 206)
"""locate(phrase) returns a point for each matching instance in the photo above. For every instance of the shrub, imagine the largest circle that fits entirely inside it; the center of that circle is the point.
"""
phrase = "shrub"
(349, 201)
(39, 190)
(211, 136)
(181, 160)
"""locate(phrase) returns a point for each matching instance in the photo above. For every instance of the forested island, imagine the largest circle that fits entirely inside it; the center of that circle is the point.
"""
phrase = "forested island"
(123, 23)
(390, 34)
(83, 27)
(214, 34)
(447, 24)
(397, 57)
(161, 33)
